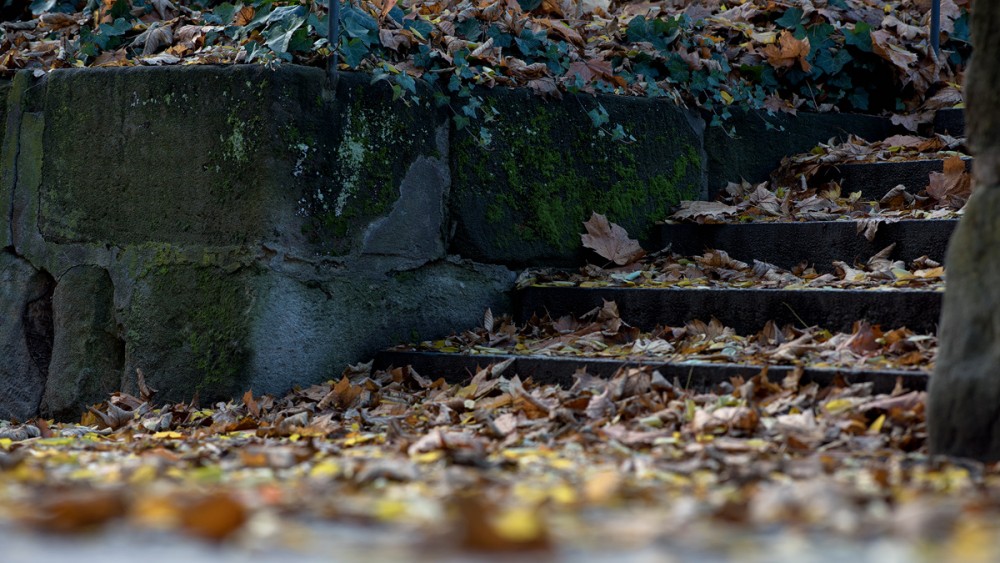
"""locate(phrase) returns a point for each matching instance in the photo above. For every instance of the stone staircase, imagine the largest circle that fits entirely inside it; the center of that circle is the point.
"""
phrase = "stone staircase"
(745, 310)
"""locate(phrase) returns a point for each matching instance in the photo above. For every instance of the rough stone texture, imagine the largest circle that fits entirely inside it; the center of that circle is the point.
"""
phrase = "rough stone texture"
(5, 86)
(414, 228)
(87, 356)
(304, 329)
(761, 141)
(12, 96)
(224, 156)
(522, 198)
(187, 329)
(25, 332)
(963, 415)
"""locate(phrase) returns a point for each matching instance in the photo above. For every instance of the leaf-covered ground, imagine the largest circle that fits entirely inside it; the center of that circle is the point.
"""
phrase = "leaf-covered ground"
(822, 55)
(602, 334)
(501, 465)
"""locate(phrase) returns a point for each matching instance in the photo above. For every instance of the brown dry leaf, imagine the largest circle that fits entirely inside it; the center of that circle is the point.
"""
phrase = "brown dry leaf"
(80, 511)
(484, 528)
(788, 51)
(611, 241)
(57, 20)
(885, 45)
(953, 186)
(704, 211)
(215, 517)
(244, 16)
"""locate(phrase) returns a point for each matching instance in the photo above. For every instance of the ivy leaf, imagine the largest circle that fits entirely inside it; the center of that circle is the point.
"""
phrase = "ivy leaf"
(41, 6)
(860, 37)
(660, 32)
(359, 25)
(354, 51)
(598, 115)
(790, 19)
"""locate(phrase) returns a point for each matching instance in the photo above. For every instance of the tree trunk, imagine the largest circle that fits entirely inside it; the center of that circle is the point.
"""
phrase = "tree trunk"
(963, 414)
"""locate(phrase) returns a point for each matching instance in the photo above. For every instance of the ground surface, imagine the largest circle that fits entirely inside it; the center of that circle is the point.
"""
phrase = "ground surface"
(393, 464)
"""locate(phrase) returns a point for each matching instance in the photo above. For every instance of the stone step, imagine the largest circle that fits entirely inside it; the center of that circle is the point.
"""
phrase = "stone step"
(950, 122)
(456, 368)
(875, 179)
(817, 242)
(744, 310)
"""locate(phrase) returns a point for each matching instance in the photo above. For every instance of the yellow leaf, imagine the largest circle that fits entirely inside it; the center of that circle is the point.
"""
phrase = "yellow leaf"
(168, 435)
(390, 510)
(602, 486)
(876, 426)
(520, 525)
(726, 97)
(325, 468)
(144, 474)
(837, 406)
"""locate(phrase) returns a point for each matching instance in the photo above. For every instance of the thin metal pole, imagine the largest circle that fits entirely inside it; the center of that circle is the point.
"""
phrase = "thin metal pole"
(333, 36)
(936, 27)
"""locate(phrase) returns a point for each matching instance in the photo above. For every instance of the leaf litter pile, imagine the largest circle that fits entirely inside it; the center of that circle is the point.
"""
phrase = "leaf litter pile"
(803, 188)
(821, 55)
(602, 333)
(501, 464)
(630, 266)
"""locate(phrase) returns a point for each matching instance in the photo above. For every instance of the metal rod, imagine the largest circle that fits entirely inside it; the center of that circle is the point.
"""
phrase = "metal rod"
(936, 27)
(333, 36)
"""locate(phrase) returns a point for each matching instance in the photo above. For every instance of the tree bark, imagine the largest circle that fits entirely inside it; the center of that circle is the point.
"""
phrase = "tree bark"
(963, 414)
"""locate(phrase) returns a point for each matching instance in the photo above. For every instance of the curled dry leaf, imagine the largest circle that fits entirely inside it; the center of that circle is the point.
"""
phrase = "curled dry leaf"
(611, 241)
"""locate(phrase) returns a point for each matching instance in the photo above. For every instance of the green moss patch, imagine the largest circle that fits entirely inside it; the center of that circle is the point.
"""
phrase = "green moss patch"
(523, 197)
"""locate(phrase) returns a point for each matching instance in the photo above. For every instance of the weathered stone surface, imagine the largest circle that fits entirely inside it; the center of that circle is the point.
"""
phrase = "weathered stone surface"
(225, 156)
(187, 328)
(25, 336)
(12, 102)
(415, 227)
(306, 331)
(87, 355)
(760, 141)
(4, 92)
(522, 198)
(373, 151)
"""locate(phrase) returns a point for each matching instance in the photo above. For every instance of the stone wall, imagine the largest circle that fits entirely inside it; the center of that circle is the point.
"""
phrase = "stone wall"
(233, 228)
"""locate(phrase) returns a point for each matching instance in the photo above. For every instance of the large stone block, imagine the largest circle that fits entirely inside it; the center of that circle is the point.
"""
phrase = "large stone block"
(226, 156)
(187, 326)
(25, 336)
(526, 177)
(309, 329)
(88, 357)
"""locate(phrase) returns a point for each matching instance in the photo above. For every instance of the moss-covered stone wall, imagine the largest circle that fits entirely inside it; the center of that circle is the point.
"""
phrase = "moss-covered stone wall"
(226, 228)
(522, 196)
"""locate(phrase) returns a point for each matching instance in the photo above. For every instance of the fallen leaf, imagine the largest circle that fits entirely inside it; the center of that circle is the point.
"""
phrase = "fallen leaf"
(611, 241)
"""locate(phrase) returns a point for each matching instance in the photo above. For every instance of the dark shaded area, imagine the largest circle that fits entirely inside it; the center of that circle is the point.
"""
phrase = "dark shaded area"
(875, 179)
(458, 368)
(817, 242)
(950, 121)
(39, 331)
(753, 143)
(745, 310)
